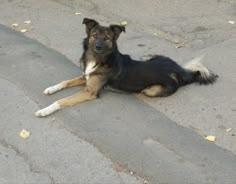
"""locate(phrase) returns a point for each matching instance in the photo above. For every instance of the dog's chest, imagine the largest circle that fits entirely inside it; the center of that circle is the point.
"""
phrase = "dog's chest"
(90, 67)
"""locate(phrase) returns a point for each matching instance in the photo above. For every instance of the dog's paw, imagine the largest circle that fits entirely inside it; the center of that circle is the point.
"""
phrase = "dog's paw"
(53, 89)
(48, 110)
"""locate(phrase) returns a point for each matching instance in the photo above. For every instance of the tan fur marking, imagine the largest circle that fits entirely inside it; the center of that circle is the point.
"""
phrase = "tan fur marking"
(64, 84)
(174, 77)
(91, 39)
(76, 99)
(109, 43)
(74, 82)
(156, 90)
(93, 85)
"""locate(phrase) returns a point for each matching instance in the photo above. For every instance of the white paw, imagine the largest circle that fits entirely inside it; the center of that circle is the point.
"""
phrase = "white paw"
(48, 110)
(53, 89)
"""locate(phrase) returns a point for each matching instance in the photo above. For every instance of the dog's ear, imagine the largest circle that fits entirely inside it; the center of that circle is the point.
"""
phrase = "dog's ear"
(90, 23)
(117, 29)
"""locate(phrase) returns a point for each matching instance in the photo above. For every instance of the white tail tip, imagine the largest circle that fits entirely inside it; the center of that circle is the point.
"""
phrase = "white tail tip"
(206, 76)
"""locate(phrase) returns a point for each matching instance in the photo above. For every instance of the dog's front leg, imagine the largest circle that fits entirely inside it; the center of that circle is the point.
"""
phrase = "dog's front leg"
(90, 92)
(78, 81)
(69, 101)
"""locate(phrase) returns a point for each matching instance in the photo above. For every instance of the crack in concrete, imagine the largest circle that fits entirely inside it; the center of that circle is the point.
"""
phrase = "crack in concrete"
(26, 159)
(125, 168)
(60, 124)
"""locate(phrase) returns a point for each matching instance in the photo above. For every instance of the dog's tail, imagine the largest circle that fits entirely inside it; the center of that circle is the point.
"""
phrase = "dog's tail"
(198, 72)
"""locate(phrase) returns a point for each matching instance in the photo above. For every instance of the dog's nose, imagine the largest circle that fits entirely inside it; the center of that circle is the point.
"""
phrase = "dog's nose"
(98, 45)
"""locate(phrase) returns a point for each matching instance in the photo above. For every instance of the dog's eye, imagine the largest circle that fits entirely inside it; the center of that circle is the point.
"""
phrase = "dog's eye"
(107, 38)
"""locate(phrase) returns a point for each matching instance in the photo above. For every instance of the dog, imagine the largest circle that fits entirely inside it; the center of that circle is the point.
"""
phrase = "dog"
(104, 65)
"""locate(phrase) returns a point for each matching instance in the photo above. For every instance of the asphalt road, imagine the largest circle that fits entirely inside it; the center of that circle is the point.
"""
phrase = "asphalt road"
(161, 140)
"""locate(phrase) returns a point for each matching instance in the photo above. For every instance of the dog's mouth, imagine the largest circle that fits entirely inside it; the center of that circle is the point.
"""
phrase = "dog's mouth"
(101, 50)
(98, 51)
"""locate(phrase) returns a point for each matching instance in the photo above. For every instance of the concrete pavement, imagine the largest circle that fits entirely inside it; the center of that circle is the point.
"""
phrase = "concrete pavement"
(202, 24)
(123, 128)
(154, 151)
(52, 154)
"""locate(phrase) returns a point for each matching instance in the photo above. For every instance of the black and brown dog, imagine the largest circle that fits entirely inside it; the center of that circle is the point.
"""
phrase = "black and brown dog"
(104, 65)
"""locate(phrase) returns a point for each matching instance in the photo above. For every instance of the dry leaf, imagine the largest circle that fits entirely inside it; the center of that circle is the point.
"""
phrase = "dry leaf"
(124, 23)
(24, 134)
(179, 46)
(23, 30)
(228, 129)
(77, 13)
(210, 138)
(15, 25)
(231, 22)
(27, 22)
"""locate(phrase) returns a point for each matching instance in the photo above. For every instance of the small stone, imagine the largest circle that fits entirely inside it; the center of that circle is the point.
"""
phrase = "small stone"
(77, 13)
(145, 182)
(24, 134)
(27, 22)
(23, 30)
(15, 25)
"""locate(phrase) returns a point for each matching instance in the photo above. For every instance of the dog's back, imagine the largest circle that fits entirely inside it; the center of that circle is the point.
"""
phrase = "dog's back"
(136, 75)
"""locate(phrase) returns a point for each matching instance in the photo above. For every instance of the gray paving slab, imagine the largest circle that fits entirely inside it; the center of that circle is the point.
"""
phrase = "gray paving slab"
(51, 154)
(203, 24)
(123, 128)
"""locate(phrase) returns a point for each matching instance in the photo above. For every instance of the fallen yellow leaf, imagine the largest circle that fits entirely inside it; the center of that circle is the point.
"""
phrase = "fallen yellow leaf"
(210, 138)
(124, 23)
(15, 25)
(24, 134)
(27, 22)
(231, 22)
(23, 30)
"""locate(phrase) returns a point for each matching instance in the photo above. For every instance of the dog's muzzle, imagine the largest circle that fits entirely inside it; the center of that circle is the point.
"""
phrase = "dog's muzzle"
(98, 45)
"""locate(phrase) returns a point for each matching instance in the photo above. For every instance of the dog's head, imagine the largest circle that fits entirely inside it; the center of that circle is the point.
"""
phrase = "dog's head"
(101, 39)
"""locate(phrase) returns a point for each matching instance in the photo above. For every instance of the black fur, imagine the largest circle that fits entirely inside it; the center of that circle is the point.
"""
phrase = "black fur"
(130, 75)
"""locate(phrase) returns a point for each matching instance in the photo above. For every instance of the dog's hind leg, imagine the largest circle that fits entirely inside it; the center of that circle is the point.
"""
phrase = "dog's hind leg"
(90, 92)
(78, 81)
(160, 90)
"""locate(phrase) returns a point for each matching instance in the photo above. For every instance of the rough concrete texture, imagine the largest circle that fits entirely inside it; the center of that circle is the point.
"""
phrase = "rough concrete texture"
(213, 37)
(51, 154)
(197, 27)
(131, 133)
